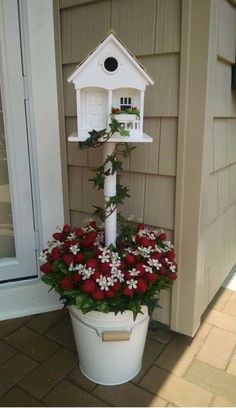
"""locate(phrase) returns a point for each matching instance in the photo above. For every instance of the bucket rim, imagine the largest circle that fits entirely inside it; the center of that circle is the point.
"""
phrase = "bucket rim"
(95, 318)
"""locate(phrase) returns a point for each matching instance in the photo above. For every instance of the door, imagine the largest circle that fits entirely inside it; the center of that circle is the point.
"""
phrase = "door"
(17, 230)
(96, 108)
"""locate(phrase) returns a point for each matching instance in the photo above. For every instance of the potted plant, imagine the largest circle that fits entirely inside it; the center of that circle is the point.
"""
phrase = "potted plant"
(109, 289)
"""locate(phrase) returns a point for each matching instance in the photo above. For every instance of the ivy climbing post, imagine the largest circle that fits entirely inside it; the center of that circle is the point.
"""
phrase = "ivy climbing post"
(109, 191)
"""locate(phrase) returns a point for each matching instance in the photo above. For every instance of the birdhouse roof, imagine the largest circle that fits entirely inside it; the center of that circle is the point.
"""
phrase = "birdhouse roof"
(111, 36)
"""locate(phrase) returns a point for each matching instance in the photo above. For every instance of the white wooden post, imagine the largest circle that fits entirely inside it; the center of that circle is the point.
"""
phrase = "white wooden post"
(109, 108)
(109, 191)
(141, 109)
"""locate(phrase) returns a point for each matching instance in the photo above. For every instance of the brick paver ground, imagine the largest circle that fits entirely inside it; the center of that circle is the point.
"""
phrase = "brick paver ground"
(39, 365)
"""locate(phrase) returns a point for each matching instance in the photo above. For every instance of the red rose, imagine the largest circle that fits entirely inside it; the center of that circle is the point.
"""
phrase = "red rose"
(162, 236)
(130, 259)
(145, 242)
(122, 265)
(138, 239)
(66, 229)
(91, 234)
(73, 242)
(92, 263)
(57, 236)
(96, 252)
(66, 246)
(88, 286)
(77, 277)
(46, 268)
(157, 255)
(140, 268)
(140, 227)
(79, 232)
(93, 224)
(116, 286)
(96, 275)
(170, 255)
(86, 243)
(109, 293)
(97, 294)
(162, 271)
(104, 267)
(66, 283)
(79, 258)
(68, 259)
(172, 276)
(127, 275)
(142, 286)
(151, 277)
(128, 292)
(55, 254)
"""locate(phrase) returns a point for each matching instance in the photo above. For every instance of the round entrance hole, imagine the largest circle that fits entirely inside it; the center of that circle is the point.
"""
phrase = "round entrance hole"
(111, 64)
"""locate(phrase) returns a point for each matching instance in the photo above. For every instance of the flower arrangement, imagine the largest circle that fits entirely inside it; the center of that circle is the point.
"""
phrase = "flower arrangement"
(130, 111)
(92, 277)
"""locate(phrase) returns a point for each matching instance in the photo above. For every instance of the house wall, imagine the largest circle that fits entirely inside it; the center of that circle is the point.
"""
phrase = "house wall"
(151, 30)
(220, 249)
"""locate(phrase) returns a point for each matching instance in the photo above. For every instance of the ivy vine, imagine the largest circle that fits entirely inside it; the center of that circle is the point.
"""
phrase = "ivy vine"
(112, 164)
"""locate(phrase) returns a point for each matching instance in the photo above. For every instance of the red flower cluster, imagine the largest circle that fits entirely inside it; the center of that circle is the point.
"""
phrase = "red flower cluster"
(86, 273)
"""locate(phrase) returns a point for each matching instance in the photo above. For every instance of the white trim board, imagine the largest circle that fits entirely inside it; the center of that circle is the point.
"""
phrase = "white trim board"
(29, 297)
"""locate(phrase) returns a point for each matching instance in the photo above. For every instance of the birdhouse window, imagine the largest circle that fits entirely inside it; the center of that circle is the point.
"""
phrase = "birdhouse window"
(111, 64)
(125, 103)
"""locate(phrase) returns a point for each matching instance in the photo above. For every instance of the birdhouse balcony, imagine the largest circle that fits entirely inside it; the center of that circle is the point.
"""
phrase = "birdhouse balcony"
(130, 122)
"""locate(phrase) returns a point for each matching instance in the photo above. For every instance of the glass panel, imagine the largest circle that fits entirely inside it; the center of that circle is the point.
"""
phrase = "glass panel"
(7, 244)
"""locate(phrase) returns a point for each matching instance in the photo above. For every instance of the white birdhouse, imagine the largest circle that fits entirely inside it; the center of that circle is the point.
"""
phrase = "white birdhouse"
(110, 82)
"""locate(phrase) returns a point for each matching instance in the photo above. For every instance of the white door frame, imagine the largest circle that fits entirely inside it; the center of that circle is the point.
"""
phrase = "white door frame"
(24, 263)
(32, 296)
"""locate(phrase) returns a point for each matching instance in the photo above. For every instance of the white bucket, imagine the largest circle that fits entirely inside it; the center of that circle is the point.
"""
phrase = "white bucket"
(110, 347)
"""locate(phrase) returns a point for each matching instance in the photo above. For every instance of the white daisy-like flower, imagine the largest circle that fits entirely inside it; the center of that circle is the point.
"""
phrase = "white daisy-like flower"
(71, 267)
(168, 245)
(133, 272)
(54, 244)
(87, 272)
(117, 275)
(155, 263)
(105, 256)
(145, 251)
(148, 269)
(71, 236)
(103, 283)
(110, 281)
(172, 268)
(74, 249)
(43, 256)
(132, 284)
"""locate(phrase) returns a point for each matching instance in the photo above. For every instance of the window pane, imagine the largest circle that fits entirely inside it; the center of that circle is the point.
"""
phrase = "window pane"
(7, 245)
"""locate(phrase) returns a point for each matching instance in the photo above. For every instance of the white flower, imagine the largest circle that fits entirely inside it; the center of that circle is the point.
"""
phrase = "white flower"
(172, 268)
(54, 244)
(71, 236)
(144, 251)
(148, 269)
(117, 274)
(71, 267)
(132, 284)
(43, 256)
(87, 272)
(155, 263)
(74, 249)
(134, 272)
(103, 283)
(105, 256)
